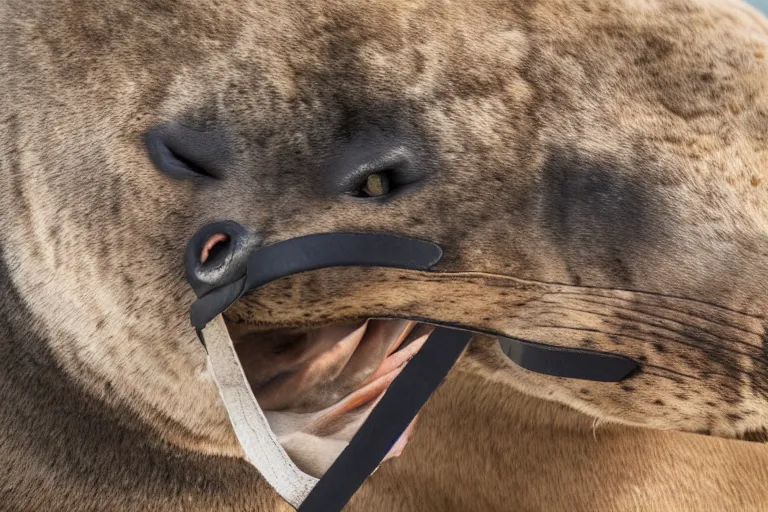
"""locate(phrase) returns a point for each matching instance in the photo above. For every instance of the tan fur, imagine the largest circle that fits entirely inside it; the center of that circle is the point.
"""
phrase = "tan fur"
(531, 454)
(594, 170)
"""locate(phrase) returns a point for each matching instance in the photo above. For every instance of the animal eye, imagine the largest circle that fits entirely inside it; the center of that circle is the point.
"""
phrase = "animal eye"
(182, 153)
(376, 185)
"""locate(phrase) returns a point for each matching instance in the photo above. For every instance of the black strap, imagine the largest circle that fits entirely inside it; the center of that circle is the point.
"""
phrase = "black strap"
(570, 363)
(314, 252)
(566, 362)
(388, 420)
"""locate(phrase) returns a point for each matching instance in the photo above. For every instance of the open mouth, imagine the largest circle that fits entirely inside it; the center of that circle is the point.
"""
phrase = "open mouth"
(318, 386)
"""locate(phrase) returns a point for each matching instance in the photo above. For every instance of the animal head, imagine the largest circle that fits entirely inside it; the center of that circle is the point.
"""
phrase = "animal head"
(594, 172)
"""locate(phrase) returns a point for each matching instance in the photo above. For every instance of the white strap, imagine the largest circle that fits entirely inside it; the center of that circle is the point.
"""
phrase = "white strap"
(261, 447)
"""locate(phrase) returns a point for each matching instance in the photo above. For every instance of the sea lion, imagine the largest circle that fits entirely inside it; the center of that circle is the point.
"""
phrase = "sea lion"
(593, 172)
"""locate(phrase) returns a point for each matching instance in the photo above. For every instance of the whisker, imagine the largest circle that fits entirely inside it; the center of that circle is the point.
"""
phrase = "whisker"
(687, 376)
(610, 317)
(655, 315)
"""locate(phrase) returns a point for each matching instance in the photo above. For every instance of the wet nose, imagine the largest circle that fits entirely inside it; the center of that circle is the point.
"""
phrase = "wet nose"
(218, 254)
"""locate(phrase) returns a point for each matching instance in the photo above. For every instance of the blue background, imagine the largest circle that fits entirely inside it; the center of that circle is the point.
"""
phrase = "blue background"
(760, 4)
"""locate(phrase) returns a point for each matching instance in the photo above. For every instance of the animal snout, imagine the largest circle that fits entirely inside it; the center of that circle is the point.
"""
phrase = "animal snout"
(218, 254)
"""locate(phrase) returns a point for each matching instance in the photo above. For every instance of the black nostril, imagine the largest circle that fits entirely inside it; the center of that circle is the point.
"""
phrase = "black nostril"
(217, 255)
(183, 153)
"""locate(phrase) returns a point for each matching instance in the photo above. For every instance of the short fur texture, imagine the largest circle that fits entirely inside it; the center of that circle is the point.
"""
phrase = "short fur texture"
(596, 172)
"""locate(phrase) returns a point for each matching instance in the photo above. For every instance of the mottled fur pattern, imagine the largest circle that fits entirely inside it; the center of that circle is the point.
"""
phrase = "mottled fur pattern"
(595, 170)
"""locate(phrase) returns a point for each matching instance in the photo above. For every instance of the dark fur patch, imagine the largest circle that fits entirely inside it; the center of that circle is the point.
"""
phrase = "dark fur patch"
(602, 219)
(756, 436)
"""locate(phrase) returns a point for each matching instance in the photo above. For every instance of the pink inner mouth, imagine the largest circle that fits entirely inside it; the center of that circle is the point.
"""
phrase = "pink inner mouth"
(378, 382)
(323, 384)
(374, 387)
(209, 246)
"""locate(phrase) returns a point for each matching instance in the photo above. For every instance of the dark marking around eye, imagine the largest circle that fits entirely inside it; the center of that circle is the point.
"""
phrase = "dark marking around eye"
(190, 164)
(183, 153)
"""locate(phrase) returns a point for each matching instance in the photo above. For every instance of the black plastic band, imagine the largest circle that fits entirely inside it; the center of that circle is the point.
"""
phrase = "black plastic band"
(314, 252)
(568, 362)
(388, 420)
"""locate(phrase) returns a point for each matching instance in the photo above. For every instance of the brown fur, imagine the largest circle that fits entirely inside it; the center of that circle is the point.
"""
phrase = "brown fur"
(531, 454)
(594, 170)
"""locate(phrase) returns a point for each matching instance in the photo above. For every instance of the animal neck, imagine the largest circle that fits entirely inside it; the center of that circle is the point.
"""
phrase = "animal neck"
(54, 431)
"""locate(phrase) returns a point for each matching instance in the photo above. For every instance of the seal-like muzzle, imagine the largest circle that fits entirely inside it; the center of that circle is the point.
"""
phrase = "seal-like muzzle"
(221, 275)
